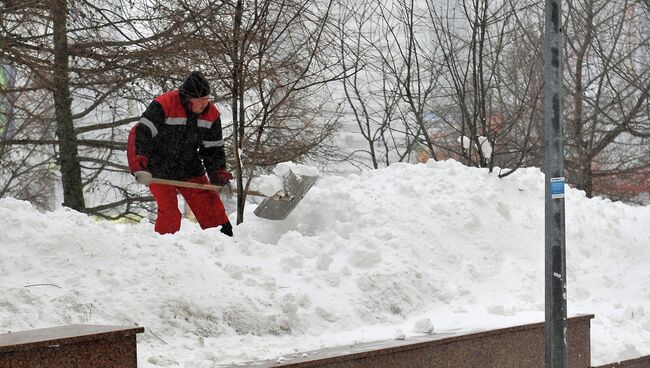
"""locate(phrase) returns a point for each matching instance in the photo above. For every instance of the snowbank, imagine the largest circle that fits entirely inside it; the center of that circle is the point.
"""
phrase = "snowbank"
(405, 250)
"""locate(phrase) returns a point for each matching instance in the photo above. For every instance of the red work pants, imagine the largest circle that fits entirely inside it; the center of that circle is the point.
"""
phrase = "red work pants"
(206, 205)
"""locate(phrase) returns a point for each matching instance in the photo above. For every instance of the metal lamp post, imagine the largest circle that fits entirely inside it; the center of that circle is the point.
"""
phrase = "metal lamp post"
(555, 330)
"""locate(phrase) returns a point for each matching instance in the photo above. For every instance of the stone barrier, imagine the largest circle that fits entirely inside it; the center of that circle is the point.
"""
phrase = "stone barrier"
(72, 346)
(512, 347)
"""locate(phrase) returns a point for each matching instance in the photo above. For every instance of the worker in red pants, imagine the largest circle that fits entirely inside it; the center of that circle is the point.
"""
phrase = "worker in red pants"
(179, 137)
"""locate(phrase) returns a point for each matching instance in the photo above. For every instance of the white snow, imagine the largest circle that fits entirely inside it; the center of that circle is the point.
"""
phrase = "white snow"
(390, 253)
(272, 184)
(486, 146)
(484, 142)
(466, 141)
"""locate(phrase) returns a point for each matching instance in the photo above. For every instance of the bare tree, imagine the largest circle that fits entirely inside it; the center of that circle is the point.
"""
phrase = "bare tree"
(411, 56)
(79, 64)
(271, 57)
(607, 86)
(472, 49)
(397, 73)
(517, 102)
(370, 91)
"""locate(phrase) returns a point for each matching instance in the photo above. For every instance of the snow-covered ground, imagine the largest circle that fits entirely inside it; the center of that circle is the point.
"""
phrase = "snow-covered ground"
(405, 250)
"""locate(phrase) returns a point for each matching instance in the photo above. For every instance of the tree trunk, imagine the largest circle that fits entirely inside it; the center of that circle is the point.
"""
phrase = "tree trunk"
(585, 177)
(68, 155)
(237, 109)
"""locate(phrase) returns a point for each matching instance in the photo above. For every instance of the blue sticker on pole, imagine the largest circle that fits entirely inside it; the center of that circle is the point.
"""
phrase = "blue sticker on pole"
(557, 188)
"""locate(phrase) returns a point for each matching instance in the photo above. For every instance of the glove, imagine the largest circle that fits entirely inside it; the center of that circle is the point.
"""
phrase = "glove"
(220, 177)
(143, 177)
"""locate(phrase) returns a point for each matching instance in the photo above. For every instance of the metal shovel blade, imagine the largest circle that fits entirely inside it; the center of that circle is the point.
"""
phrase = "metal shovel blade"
(279, 207)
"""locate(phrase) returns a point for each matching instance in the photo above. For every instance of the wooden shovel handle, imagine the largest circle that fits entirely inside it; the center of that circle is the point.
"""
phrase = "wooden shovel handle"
(189, 184)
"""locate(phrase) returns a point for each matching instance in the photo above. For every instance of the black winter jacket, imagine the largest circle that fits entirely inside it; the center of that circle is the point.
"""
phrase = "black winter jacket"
(171, 142)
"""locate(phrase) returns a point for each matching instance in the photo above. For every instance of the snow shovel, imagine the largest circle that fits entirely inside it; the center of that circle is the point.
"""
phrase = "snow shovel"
(278, 207)
(275, 207)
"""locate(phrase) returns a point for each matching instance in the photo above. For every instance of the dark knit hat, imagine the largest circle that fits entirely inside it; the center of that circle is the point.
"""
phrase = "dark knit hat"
(195, 85)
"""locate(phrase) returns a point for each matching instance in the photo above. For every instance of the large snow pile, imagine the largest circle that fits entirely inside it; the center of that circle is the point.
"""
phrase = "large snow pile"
(398, 251)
